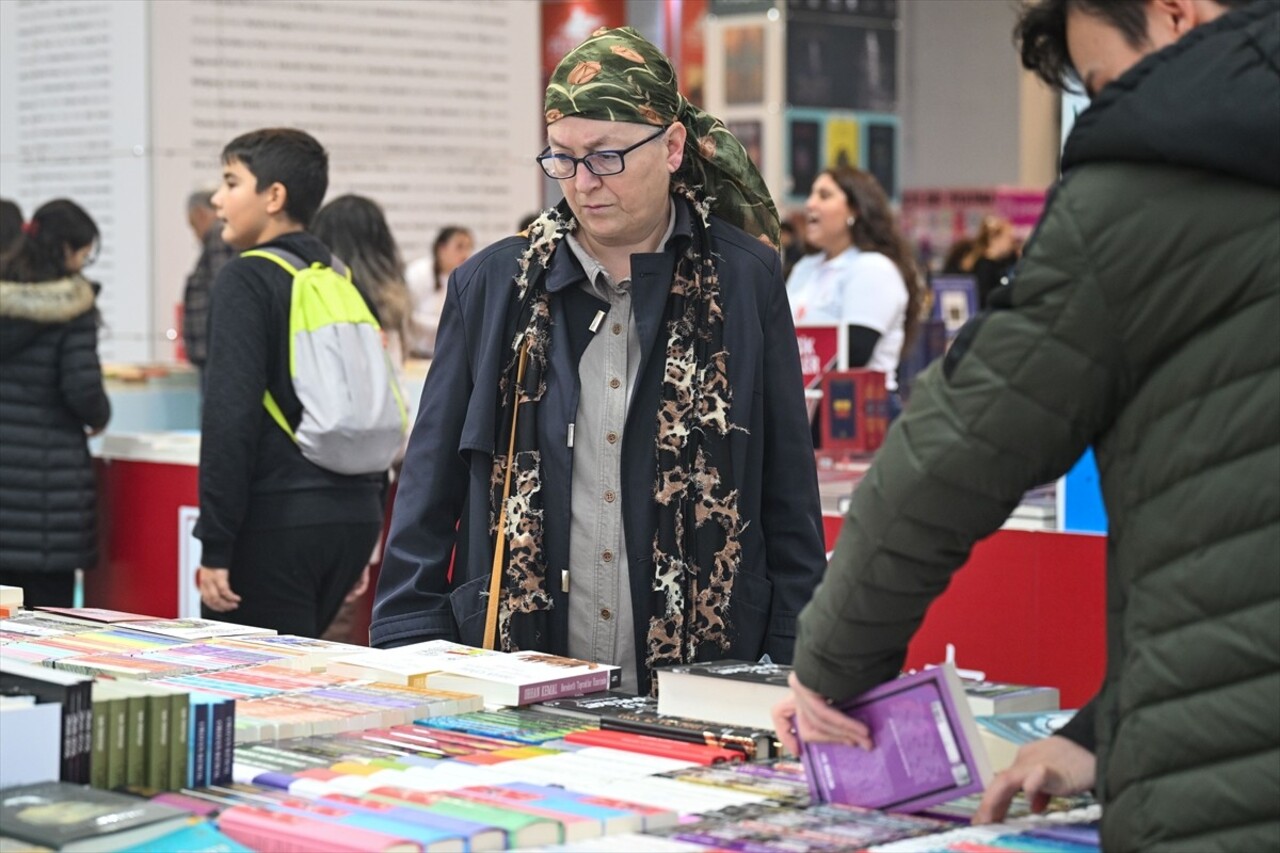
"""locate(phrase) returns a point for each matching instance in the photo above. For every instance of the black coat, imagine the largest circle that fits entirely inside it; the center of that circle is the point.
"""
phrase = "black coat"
(50, 391)
(443, 498)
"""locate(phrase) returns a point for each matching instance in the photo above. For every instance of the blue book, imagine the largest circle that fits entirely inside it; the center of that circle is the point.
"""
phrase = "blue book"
(202, 837)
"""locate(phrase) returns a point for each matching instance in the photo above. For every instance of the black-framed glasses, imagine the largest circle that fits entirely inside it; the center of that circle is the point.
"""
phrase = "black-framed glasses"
(599, 163)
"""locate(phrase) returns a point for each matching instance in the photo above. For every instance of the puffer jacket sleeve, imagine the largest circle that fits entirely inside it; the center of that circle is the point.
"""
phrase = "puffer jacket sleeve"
(1025, 388)
(80, 374)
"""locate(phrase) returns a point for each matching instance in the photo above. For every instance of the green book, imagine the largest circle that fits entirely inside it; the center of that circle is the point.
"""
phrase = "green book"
(159, 730)
(115, 696)
(179, 738)
(98, 752)
(135, 750)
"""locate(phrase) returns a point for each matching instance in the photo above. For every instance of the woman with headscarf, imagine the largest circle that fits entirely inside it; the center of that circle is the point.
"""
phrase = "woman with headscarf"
(615, 404)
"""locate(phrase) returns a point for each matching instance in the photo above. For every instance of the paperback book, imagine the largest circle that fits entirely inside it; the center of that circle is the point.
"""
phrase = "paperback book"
(926, 747)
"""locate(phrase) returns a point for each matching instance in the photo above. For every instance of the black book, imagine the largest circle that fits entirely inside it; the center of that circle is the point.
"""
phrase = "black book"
(752, 743)
(74, 693)
(69, 817)
(729, 692)
(592, 706)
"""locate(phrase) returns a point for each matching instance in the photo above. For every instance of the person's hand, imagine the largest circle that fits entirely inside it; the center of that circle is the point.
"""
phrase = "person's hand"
(215, 589)
(90, 432)
(1046, 768)
(362, 585)
(812, 716)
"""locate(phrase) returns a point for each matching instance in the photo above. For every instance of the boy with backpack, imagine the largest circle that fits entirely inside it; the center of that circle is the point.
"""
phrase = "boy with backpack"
(300, 404)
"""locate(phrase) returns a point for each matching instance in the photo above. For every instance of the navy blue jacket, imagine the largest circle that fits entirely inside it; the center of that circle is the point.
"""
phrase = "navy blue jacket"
(443, 498)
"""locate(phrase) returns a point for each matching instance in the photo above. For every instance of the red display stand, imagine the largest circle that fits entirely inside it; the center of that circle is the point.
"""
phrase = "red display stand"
(1029, 607)
(138, 516)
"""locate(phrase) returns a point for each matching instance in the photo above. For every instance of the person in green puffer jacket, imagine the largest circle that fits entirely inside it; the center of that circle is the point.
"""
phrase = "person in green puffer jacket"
(1144, 322)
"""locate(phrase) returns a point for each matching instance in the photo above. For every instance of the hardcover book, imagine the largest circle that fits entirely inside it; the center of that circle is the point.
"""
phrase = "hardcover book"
(522, 678)
(592, 707)
(76, 817)
(752, 743)
(730, 692)
(995, 697)
(926, 747)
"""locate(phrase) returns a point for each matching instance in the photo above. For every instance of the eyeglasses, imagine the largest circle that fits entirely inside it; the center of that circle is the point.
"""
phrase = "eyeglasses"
(599, 163)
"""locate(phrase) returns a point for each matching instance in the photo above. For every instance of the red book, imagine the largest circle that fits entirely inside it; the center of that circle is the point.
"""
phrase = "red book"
(662, 747)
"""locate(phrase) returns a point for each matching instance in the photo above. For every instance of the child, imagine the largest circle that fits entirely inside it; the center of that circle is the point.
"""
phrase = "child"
(284, 540)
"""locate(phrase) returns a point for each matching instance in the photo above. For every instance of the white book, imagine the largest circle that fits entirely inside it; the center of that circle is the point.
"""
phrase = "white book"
(522, 678)
(195, 629)
(31, 748)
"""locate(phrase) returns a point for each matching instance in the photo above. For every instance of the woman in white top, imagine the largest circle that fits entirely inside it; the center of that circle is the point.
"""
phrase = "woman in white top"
(427, 278)
(862, 277)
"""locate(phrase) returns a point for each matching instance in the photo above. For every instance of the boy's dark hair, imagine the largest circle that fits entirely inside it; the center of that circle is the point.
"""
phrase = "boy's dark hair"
(40, 253)
(292, 158)
(1041, 33)
(10, 224)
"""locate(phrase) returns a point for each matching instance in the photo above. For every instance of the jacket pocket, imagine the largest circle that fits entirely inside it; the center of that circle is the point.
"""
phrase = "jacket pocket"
(749, 611)
(469, 606)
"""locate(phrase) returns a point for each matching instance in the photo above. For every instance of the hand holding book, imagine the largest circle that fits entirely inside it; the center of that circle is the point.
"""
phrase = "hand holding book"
(816, 720)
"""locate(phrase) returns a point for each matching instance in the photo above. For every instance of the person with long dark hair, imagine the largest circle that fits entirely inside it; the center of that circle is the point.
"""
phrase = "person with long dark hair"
(427, 278)
(10, 224)
(51, 399)
(355, 229)
(863, 276)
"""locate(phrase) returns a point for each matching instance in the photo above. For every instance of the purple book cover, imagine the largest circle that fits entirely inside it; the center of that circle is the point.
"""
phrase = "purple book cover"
(926, 747)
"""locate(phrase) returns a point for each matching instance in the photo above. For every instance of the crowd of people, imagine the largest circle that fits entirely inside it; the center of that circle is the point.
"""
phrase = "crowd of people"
(612, 456)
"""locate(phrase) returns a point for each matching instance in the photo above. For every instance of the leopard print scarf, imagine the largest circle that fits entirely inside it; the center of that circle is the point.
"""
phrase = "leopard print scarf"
(696, 547)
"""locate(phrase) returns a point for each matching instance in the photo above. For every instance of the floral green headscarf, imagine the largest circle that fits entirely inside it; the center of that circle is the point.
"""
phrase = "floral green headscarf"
(617, 75)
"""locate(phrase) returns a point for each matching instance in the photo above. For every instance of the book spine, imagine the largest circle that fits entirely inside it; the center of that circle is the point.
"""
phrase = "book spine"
(198, 769)
(179, 738)
(117, 741)
(158, 742)
(590, 683)
(98, 759)
(751, 744)
(136, 749)
(84, 753)
(223, 741)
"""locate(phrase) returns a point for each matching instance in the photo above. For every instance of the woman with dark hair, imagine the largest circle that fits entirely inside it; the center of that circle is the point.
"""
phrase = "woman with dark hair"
(10, 224)
(427, 278)
(51, 399)
(355, 229)
(862, 276)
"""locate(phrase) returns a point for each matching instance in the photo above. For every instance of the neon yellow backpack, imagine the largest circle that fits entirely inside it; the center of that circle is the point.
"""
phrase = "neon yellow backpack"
(353, 414)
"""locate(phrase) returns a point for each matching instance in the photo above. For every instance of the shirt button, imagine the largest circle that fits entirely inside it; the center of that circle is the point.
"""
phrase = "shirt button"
(609, 496)
(611, 437)
(617, 328)
(614, 383)
(607, 556)
(606, 614)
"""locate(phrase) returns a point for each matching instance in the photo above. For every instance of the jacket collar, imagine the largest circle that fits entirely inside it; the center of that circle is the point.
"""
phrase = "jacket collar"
(47, 301)
(566, 270)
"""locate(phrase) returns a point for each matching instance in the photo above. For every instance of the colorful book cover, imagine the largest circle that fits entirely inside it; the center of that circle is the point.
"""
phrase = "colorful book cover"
(752, 743)
(926, 747)
(195, 629)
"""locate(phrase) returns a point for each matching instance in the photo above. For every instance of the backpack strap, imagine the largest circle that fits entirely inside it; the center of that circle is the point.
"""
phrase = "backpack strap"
(289, 261)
